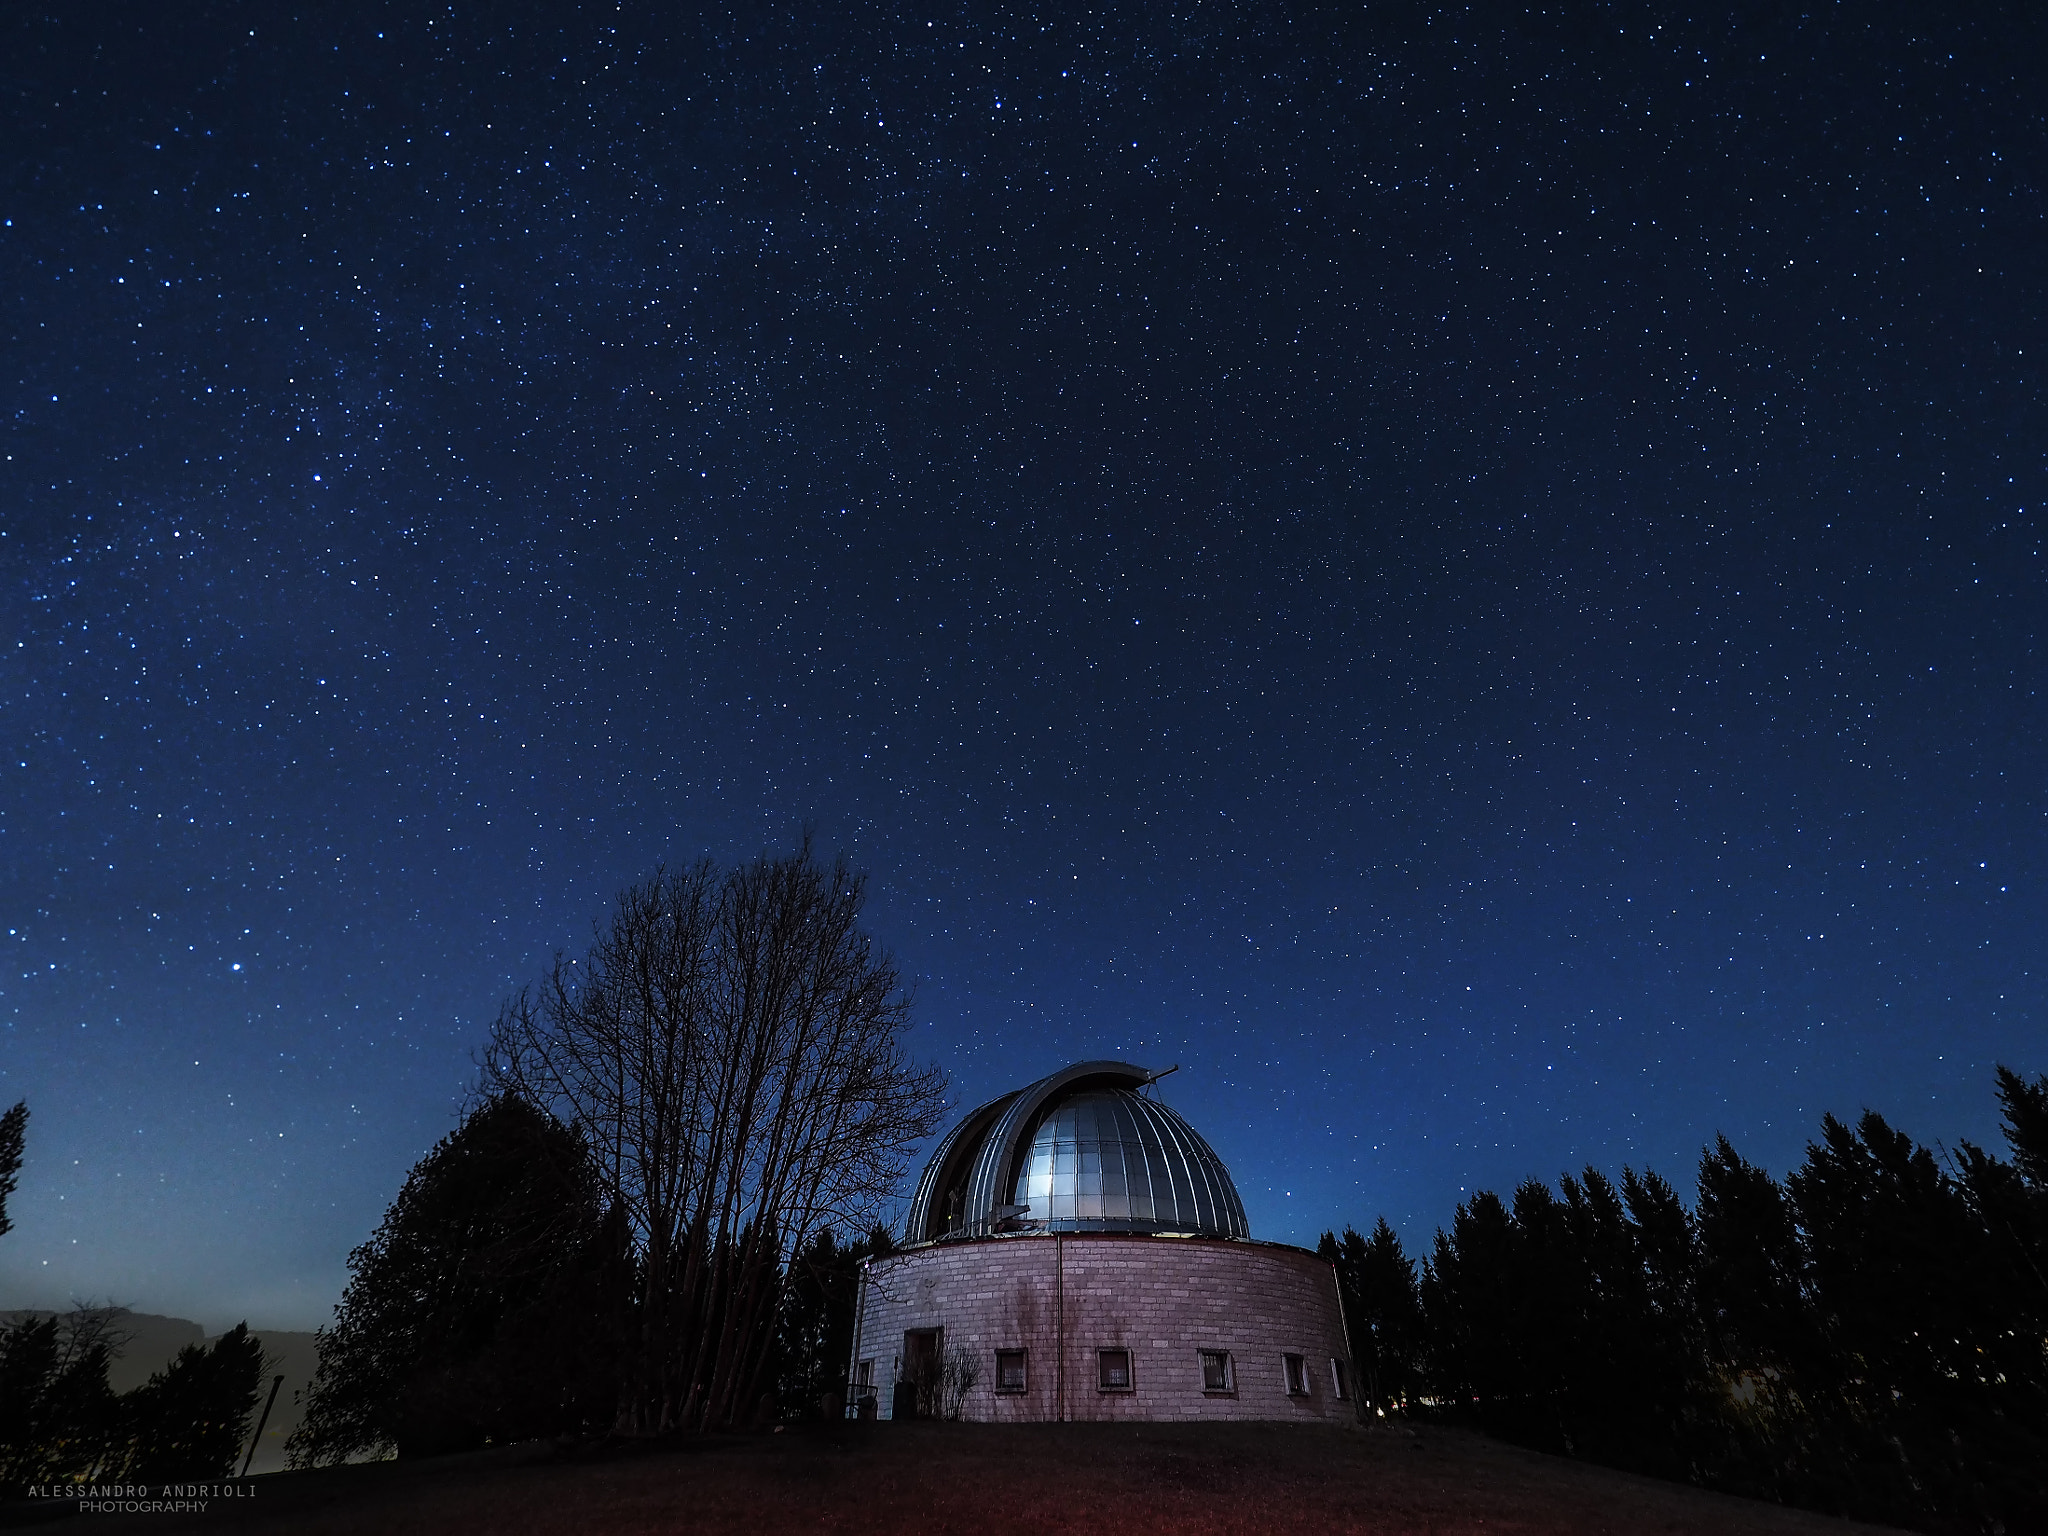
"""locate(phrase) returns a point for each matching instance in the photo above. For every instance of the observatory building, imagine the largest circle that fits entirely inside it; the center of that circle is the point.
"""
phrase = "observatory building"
(1076, 1251)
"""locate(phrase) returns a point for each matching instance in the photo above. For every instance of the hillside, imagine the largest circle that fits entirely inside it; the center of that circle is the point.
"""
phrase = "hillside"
(990, 1481)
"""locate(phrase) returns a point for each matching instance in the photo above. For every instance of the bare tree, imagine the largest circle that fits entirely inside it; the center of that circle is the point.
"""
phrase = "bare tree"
(959, 1374)
(732, 1048)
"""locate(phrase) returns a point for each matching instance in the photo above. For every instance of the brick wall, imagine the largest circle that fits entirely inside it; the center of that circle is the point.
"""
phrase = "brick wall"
(1163, 1299)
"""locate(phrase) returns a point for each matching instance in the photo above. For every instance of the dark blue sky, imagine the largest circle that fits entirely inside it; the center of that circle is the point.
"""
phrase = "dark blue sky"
(1474, 579)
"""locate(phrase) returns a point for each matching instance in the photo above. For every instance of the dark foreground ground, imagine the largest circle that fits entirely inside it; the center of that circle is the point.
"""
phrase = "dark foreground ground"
(990, 1481)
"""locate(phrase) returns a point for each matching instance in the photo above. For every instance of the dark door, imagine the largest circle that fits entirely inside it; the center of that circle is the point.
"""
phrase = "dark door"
(921, 1356)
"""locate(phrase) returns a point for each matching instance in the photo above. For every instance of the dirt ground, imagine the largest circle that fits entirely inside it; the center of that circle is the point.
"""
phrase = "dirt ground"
(992, 1481)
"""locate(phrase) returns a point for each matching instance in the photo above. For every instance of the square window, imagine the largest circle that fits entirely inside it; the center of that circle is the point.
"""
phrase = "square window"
(1010, 1370)
(1113, 1370)
(1216, 1370)
(1297, 1375)
(1340, 1380)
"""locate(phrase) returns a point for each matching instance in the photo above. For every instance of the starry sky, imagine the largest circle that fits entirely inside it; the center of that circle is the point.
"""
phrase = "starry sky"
(1472, 577)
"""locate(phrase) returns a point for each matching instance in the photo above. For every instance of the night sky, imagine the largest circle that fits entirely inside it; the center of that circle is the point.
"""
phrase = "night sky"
(1474, 578)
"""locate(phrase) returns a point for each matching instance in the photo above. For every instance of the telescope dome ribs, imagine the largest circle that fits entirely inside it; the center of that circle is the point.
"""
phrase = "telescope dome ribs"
(1080, 1151)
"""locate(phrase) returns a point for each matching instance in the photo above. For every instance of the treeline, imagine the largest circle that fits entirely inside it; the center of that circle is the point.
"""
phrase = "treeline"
(1868, 1337)
(61, 1420)
(632, 1231)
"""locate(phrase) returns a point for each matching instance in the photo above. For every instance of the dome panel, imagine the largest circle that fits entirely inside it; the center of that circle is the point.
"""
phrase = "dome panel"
(1080, 1151)
(1107, 1160)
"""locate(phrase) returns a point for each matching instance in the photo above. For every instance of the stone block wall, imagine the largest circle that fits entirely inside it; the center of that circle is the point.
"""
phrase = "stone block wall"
(1062, 1299)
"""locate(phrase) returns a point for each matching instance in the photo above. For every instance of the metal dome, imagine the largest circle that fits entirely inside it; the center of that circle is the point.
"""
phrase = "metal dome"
(1080, 1151)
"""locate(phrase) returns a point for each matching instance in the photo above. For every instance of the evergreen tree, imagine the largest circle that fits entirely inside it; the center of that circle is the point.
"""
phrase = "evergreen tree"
(1616, 1353)
(1668, 1246)
(2026, 1124)
(13, 1136)
(58, 1416)
(1749, 1279)
(1469, 1307)
(2010, 1201)
(1382, 1313)
(57, 1412)
(815, 1327)
(1567, 1321)
(488, 1306)
(1919, 1375)
(1666, 1355)
(189, 1421)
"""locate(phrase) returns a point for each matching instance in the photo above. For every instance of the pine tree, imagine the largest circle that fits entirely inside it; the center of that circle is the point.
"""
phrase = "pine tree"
(1382, 1313)
(188, 1422)
(57, 1413)
(13, 1136)
(815, 1328)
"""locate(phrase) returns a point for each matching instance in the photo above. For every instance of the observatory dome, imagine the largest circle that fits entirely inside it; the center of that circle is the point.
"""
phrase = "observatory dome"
(1080, 1151)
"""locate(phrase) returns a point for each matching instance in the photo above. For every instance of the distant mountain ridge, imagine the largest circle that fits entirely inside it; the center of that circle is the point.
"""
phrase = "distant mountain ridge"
(152, 1341)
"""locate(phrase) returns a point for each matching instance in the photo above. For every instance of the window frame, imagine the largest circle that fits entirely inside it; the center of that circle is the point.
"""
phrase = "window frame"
(1023, 1358)
(1294, 1372)
(1340, 1380)
(1102, 1384)
(1229, 1373)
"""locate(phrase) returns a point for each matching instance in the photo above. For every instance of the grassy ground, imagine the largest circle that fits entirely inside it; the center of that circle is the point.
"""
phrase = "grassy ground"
(993, 1481)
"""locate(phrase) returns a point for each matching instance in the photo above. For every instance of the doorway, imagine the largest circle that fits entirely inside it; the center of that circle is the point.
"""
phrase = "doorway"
(923, 1350)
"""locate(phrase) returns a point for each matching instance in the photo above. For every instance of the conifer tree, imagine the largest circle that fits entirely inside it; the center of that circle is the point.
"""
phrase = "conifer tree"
(815, 1333)
(486, 1307)
(189, 1421)
(13, 1136)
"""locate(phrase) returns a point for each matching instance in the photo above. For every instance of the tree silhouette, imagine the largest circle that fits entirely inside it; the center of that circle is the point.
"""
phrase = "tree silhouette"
(2010, 1202)
(1382, 1313)
(187, 1423)
(1750, 1296)
(487, 1306)
(1469, 1308)
(57, 1413)
(1917, 1370)
(13, 1136)
(58, 1416)
(815, 1330)
(732, 1045)
(2026, 1124)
